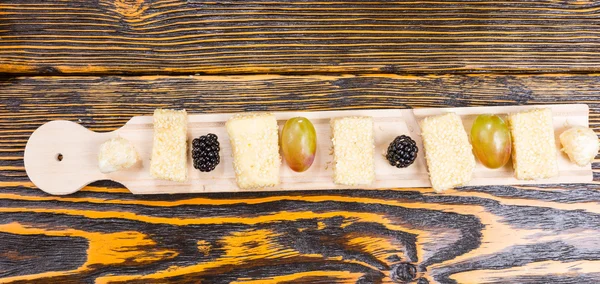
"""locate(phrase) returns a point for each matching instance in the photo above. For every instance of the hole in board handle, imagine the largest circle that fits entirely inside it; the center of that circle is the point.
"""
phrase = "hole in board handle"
(59, 157)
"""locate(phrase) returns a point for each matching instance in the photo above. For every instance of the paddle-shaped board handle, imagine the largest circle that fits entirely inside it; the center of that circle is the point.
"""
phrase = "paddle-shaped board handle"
(61, 157)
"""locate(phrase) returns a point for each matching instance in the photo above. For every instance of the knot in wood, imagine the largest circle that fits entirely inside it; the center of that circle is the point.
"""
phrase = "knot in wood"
(130, 8)
(403, 272)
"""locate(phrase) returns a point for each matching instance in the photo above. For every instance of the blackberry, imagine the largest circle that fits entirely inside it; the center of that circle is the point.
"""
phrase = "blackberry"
(402, 152)
(205, 152)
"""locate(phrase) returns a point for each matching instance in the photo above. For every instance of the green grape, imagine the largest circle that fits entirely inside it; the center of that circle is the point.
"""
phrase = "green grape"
(491, 141)
(299, 143)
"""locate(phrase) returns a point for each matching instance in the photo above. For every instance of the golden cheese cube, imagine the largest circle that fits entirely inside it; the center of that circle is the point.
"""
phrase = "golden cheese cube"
(169, 149)
(449, 154)
(353, 147)
(254, 141)
(534, 147)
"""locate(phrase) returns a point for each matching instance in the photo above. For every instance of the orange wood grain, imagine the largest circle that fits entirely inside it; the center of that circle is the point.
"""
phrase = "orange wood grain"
(104, 234)
(302, 37)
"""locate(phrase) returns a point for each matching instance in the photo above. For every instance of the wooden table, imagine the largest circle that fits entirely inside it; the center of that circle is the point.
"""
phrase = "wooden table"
(101, 62)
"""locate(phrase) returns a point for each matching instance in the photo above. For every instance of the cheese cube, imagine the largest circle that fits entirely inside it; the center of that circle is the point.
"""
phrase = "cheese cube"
(353, 147)
(534, 147)
(254, 141)
(169, 149)
(449, 154)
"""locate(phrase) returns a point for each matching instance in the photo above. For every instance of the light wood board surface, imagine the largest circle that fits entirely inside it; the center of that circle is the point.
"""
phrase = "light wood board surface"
(78, 149)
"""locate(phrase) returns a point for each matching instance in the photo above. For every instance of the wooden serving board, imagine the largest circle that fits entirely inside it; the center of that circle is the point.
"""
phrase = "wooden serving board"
(78, 148)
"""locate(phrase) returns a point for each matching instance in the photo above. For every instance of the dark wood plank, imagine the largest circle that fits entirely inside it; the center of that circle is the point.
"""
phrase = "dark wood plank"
(235, 37)
(520, 234)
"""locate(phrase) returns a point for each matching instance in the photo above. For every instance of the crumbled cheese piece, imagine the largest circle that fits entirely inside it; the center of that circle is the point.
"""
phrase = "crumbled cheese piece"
(448, 152)
(534, 147)
(353, 146)
(169, 151)
(254, 141)
(116, 154)
(580, 144)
